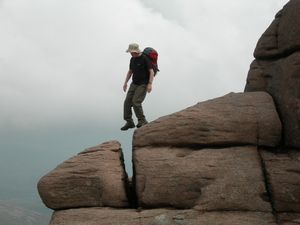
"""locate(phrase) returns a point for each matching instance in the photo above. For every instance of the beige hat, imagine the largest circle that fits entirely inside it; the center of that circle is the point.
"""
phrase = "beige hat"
(133, 48)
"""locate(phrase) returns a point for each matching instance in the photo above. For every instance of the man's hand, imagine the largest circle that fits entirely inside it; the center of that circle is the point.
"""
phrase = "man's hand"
(149, 87)
(125, 87)
(129, 74)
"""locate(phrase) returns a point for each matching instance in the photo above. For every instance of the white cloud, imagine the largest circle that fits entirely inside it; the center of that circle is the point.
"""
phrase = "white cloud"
(65, 60)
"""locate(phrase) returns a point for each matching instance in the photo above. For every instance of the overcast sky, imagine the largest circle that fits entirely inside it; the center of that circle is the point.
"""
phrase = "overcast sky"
(63, 64)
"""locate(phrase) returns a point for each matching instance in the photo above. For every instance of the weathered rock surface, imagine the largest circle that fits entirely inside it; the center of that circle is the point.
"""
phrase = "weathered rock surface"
(284, 176)
(276, 69)
(281, 78)
(95, 177)
(210, 164)
(206, 179)
(289, 219)
(283, 35)
(107, 216)
(234, 119)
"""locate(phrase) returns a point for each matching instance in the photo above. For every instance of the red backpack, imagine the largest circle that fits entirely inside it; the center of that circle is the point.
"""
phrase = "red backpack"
(152, 54)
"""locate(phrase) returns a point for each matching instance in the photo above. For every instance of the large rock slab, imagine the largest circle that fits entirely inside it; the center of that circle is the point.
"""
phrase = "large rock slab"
(281, 78)
(283, 35)
(234, 119)
(276, 69)
(284, 177)
(107, 216)
(95, 177)
(204, 179)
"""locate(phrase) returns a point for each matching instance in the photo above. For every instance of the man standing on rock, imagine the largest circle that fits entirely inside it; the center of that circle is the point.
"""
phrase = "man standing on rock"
(142, 73)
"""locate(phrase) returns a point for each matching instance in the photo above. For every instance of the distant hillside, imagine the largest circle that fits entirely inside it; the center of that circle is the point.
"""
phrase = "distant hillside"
(14, 215)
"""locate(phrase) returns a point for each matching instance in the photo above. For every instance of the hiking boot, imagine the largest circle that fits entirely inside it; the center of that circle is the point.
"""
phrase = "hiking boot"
(141, 123)
(128, 126)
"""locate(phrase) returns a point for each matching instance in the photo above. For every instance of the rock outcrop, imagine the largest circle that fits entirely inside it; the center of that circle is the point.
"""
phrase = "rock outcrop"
(282, 37)
(276, 69)
(169, 156)
(234, 119)
(228, 179)
(108, 216)
(230, 160)
(95, 177)
(283, 171)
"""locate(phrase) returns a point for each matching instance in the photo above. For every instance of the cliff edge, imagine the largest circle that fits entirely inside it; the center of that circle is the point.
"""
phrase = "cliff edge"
(230, 160)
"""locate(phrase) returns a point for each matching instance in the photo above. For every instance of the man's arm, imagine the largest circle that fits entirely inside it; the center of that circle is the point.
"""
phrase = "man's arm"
(128, 76)
(151, 78)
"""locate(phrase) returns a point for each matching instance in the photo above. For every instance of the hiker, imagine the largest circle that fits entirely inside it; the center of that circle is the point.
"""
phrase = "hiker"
(142, 73)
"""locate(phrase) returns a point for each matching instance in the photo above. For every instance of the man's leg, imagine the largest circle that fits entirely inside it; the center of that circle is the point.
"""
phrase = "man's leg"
(138, 98)
(127, 113)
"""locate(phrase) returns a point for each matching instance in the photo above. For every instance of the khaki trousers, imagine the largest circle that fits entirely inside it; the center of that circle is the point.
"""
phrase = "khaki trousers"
(134, 98)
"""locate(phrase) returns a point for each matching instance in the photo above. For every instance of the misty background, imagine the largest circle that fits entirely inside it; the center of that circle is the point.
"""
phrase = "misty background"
(63, 65)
